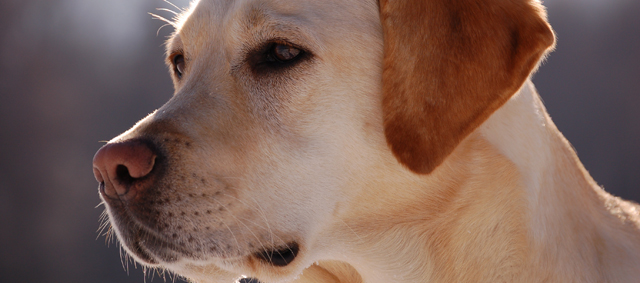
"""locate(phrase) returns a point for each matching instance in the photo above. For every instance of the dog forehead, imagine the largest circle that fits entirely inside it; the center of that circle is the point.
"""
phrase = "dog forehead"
(234, 19)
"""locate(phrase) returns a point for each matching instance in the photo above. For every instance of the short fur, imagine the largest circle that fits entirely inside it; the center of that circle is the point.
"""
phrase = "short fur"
(407, 145)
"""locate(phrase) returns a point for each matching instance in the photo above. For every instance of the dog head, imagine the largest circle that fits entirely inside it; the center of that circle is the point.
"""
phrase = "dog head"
(284, 113)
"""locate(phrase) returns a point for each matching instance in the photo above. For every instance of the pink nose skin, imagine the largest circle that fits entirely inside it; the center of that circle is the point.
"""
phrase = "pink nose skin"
(119, 166)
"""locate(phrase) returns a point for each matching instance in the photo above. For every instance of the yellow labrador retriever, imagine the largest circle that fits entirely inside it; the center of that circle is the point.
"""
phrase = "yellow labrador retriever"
(362, 141)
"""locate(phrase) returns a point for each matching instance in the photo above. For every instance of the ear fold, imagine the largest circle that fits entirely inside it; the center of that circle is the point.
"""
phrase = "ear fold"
(449, 64)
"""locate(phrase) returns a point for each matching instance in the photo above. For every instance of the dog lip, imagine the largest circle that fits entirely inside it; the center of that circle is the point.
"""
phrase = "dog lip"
(141, 253)
(280, 256)
(150, 248)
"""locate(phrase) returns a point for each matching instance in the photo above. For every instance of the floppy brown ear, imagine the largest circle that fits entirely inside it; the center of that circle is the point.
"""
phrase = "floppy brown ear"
(449, 64)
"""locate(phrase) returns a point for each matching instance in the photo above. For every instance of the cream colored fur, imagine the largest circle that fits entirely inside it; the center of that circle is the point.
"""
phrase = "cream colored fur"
(305, 159)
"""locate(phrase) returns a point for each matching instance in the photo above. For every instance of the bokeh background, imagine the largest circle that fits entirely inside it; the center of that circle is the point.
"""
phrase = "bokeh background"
(74, 73)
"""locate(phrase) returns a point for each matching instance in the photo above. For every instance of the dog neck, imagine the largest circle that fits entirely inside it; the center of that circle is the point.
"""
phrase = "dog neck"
(574, 227)
(512, 203)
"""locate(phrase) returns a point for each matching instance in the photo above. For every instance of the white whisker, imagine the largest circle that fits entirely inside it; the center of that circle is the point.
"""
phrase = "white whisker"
(174, 5)
(161, 18)
(167, 10)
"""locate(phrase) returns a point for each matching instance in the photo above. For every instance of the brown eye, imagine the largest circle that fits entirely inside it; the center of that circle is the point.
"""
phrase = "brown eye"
(276, 56)
(178, 65)
(284, 53)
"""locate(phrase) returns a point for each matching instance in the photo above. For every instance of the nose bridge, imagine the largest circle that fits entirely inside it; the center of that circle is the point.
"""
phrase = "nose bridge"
(164, 122)
(197, 94)
(205, 89)
(209, 70)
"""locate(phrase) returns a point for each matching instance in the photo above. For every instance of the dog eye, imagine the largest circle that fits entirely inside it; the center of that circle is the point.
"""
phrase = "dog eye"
(178, 65)
(273, 57)
(283, 53)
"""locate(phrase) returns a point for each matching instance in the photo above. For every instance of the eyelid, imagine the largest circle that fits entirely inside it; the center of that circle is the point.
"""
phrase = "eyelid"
(173, 55)
(280, 41)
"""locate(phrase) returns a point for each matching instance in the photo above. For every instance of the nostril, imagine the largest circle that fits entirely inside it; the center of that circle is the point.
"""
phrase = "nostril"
(122, 173)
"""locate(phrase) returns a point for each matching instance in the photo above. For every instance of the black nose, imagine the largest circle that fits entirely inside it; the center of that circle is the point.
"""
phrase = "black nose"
(120, 166)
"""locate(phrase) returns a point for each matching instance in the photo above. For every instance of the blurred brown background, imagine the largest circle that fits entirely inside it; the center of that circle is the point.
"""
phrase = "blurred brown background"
(77, 72)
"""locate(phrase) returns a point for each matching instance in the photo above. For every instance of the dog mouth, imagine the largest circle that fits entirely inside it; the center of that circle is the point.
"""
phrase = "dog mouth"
(279, 256)
(150, 247)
